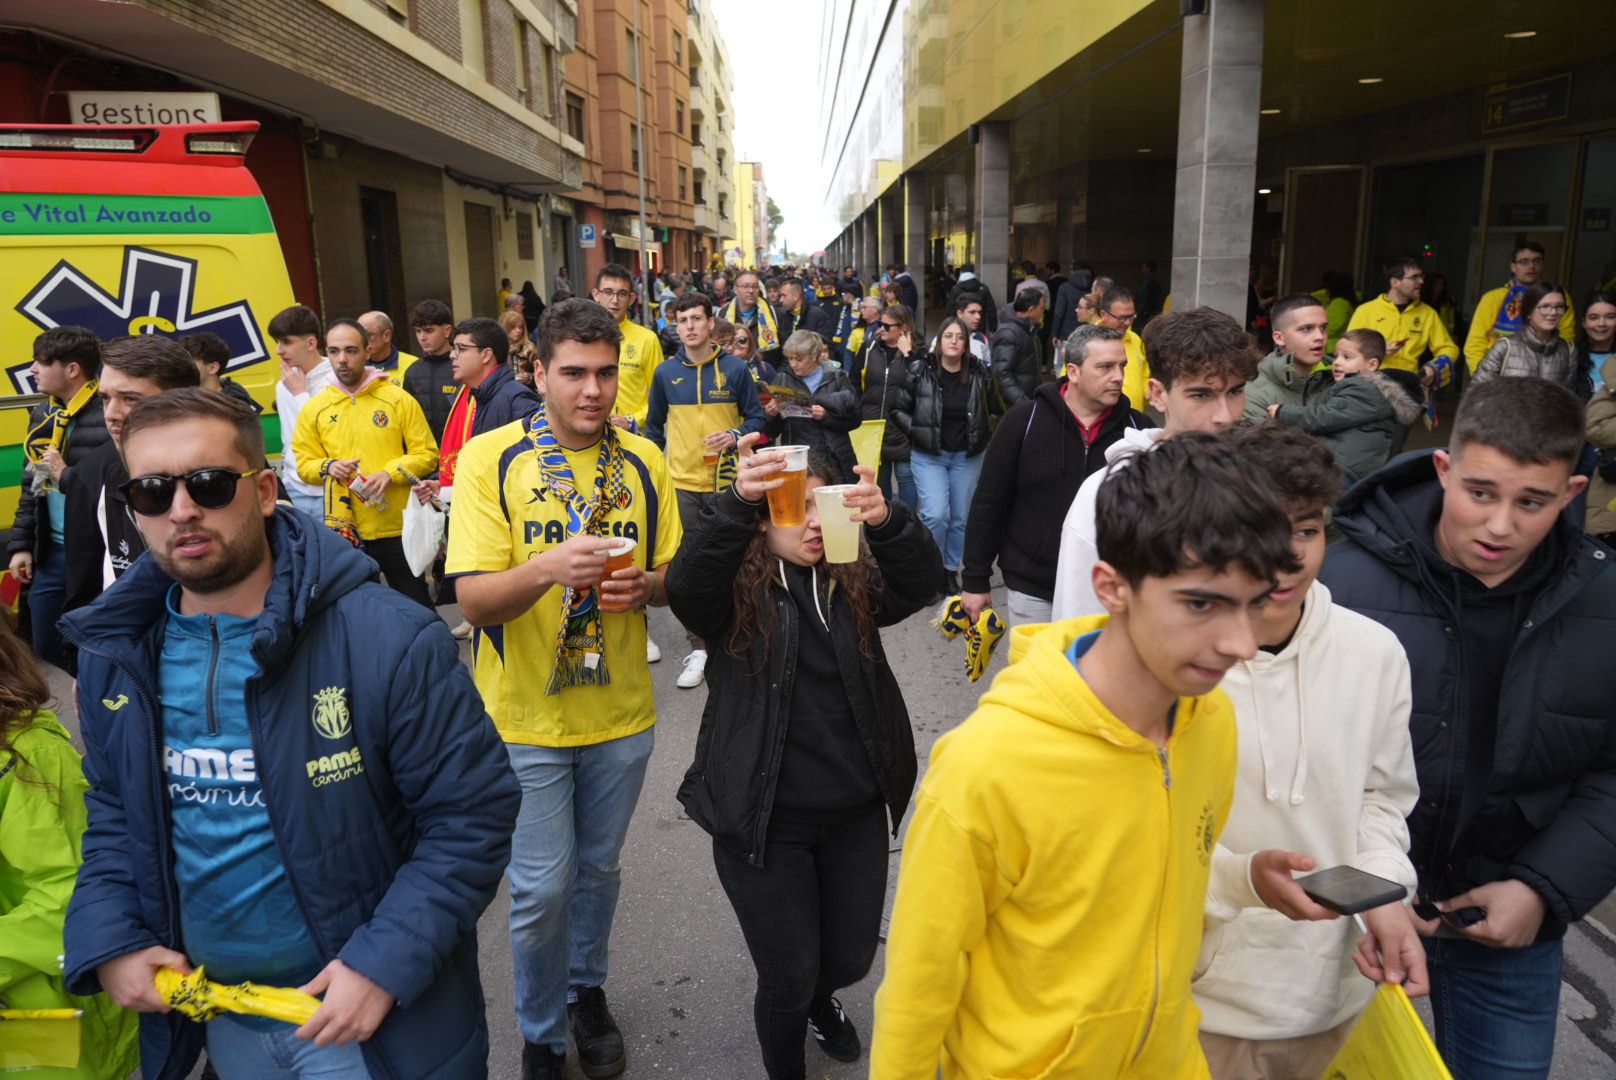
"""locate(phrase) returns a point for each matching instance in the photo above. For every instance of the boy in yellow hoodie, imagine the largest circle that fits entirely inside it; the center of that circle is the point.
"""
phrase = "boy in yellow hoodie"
(1050, 899)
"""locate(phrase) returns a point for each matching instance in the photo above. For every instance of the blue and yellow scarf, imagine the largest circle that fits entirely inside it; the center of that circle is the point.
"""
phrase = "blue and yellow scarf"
(51, 431)
(767, 331)
(580, 658)
(1508, 320)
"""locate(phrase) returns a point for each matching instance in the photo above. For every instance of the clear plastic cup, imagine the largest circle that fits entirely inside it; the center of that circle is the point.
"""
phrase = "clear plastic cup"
(837, 528)
(619, 552)
(788, 503)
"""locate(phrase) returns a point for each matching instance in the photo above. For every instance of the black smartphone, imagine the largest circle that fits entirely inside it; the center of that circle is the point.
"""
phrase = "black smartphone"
(1348, 890)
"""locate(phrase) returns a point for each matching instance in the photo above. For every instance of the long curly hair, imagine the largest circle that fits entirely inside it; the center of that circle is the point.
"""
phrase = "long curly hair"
(23, 693)
(753, 619)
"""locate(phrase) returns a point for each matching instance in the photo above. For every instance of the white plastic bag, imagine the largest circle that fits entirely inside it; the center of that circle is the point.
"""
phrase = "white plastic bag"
(424, 528)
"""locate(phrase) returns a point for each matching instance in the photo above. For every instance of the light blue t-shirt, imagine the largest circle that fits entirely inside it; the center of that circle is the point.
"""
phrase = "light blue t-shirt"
(237, 911)
(814, 378)
(1599, 359)
(56, 510)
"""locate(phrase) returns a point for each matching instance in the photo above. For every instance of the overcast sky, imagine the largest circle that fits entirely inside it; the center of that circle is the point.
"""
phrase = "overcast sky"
(774, 51)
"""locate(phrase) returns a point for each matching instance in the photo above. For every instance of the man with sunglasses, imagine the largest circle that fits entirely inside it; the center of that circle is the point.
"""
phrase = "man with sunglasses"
(269, 798)
(364, 437)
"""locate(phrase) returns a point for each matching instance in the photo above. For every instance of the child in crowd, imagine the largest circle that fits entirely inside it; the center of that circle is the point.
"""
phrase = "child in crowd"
(1360, 416)
(831, 400)
(1326, 778)
(1049, 907)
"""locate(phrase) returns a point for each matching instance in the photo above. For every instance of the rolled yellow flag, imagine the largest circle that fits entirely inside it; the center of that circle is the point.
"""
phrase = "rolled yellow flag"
(40, 1014)
(198, 997)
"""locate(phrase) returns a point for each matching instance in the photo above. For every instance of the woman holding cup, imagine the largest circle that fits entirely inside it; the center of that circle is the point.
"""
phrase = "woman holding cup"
(805, 751)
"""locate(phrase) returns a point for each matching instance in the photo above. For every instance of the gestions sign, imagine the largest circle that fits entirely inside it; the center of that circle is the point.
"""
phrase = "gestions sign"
(137, 107)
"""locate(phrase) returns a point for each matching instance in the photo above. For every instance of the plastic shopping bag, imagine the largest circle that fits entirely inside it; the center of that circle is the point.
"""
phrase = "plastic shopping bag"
(867, 442)
(39, 1039)
(424, 527)
(1388, 1043)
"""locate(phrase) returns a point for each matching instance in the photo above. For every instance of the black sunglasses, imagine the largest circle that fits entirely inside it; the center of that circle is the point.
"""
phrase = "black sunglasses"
(211, 489)
(890, 325)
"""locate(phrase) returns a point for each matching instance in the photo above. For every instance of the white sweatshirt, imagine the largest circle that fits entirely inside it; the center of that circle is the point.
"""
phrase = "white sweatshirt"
(287, 406)
(1326, 769)
(1074, 573)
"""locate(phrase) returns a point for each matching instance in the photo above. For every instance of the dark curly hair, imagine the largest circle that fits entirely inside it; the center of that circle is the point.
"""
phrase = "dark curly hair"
(856, 584)
(1302, 469)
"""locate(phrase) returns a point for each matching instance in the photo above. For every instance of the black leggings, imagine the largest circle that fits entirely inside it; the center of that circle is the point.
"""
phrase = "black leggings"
(389, 555)
(812, 919)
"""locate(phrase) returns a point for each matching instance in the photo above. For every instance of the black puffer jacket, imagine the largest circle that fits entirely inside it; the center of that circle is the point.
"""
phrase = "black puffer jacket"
(883, 376)
(86, 433)
(431, 382)
(1546, 812)
(829, 436)
(730, 787)
(1015, 360)
(970, 289)
(500, 400)
(924, 422)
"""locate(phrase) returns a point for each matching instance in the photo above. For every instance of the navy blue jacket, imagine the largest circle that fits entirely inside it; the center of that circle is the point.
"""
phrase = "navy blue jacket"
(1546, 814)
(501, 399)
(391, 863)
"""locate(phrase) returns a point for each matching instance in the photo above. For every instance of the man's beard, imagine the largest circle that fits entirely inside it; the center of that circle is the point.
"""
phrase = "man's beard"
(232, 562)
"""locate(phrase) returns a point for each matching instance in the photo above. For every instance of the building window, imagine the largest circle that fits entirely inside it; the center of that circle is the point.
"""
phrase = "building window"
(695, 133)
(679, 116)
(524, 235)
(575, 116)
(547, 70)
(634, 147)
(473, 45)
(633, 64)
(524, 73)
(723, 207)
(683, 185)
(700, 194)
(678, 48)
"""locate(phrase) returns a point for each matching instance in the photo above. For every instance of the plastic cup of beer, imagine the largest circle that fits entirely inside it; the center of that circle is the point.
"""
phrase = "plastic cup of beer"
(619, 554)
(837, 528)
(788, 502)
(709, 456)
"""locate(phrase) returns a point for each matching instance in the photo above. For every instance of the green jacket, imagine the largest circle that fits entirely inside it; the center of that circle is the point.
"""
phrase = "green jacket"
(1277, 383)
(41, 820)
(1357, 417)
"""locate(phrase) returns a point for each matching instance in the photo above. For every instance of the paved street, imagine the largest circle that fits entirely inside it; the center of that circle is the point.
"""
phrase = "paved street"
(681, 984)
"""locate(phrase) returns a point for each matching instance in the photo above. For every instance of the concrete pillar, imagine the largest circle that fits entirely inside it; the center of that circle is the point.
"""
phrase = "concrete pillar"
(993, 208)
(916, 238)
(1220, 96)
(870, 252)
(892, 225)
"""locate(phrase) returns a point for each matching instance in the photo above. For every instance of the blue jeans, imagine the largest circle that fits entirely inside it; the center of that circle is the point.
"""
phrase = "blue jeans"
(242, 1053)
(898, 477)
(576, 806)
(312, 505)
(1495, 1008)
(945, 483)
(45, 596)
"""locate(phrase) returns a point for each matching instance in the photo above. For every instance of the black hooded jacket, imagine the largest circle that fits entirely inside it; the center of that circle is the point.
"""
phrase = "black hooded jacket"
(1030, 474)
(1513, 726)
(86, 433)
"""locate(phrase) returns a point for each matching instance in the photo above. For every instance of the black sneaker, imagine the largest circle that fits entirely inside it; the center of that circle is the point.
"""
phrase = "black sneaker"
(951, 582)
(833, 1031)
(541, 1062)
(600, 1043)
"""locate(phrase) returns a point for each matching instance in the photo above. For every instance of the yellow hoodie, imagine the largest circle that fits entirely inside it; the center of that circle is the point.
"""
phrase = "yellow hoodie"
(1050, 901)
(383, 427)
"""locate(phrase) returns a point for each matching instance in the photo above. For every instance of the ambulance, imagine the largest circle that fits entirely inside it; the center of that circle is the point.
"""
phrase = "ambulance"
(133, 230)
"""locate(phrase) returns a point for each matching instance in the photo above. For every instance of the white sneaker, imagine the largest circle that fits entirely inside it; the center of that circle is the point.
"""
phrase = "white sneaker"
(652, 653)
(695, 668)
(462, 632)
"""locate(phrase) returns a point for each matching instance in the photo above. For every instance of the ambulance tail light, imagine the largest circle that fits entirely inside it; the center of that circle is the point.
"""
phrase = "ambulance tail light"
(219, 143)
(59, 140)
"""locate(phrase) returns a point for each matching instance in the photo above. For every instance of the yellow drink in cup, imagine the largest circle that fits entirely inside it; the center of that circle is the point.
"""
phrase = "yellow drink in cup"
(788, 503)
(836, 525)
(619, 556)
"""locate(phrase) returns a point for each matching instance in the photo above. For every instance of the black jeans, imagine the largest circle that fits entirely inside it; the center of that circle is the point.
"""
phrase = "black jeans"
(811, 914)
(388, 551)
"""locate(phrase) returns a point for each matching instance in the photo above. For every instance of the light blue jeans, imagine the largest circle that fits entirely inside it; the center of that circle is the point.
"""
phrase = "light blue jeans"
(576, 806)
(945, 483)
(312, 505)
(239, 1052)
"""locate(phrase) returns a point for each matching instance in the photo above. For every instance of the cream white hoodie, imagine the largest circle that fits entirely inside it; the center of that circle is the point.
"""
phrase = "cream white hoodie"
(1074, 573)
(1326, 769)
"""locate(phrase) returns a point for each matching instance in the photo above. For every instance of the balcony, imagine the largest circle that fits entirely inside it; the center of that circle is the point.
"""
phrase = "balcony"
(706, 220)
